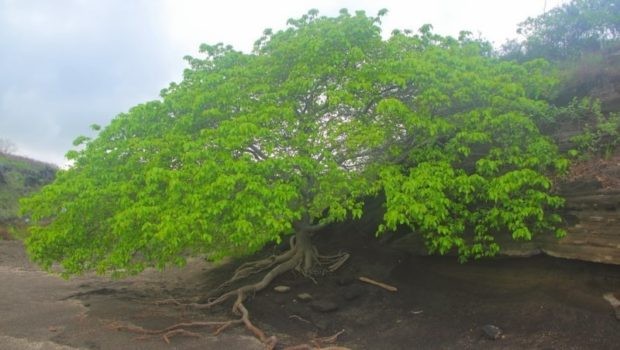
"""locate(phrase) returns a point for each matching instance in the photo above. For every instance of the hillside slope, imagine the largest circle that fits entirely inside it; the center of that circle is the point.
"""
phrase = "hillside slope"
(19, 176)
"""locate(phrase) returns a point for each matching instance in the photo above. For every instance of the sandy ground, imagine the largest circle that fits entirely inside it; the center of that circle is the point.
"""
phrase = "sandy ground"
(43, 311)
(537, 303)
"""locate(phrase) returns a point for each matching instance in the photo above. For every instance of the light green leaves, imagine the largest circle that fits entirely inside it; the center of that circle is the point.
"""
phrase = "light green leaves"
(322, 115)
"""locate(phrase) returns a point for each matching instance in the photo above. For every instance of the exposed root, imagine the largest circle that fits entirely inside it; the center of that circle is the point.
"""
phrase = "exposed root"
(333, 262)
(181, 331)
(303, 258)
(252, 268)
(256, 287)
(176, 329)
(331, 339)
(317, 344)
(296, 317)
(270, 342)
(310, 347)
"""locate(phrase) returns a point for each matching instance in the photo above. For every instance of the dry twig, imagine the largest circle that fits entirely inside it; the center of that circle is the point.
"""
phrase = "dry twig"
(378, 284)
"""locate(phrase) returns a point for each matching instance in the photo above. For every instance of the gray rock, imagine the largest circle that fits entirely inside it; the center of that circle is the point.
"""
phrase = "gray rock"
(492, 332)
(324, 306)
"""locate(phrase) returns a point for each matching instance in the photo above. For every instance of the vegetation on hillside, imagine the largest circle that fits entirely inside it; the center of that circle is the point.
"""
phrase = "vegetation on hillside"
(582, 41)
(570, 31)
(19, 177)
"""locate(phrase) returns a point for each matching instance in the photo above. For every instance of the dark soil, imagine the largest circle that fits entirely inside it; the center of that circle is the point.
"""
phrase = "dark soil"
(537, 303)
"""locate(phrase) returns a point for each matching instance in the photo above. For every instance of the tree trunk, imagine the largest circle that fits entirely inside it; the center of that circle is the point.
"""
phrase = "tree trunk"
(305, 249)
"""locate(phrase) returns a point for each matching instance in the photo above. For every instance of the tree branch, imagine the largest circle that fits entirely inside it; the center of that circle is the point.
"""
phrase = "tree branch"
(256, 152)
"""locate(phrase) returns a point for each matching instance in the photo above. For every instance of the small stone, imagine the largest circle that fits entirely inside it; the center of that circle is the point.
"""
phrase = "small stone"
(281, 289)
(492, 332)
(324, 306)
(304, 296)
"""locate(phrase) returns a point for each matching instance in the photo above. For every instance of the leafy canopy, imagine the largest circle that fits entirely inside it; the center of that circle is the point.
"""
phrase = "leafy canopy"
(249, 148)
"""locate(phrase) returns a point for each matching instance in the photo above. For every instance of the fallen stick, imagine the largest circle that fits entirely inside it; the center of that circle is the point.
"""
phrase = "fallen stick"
(378, 284)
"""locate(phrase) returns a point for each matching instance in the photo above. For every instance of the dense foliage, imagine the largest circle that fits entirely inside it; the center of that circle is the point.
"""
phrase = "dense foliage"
(569, 31)
(250, 148)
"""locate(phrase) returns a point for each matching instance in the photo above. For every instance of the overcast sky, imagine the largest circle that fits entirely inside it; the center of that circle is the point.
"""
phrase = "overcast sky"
(66, 64)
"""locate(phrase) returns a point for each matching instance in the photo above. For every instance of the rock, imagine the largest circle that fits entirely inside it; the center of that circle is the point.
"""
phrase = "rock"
(324, 306)
(353, 292)
(492, 332)
(281, 289)
(615, 303)
(304, 296)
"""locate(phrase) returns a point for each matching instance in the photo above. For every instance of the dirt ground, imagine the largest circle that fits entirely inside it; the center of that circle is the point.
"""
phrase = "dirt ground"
(537, 303)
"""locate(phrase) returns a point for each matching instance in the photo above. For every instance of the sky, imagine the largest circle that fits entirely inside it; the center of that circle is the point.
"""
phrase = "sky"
(67, 64)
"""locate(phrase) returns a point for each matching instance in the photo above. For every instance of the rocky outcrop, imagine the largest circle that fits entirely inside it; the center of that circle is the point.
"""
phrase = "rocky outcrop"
(591, 215)
(593, 231)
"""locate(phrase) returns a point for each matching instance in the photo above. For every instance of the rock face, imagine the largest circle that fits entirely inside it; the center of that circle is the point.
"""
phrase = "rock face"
(591, 215)
(593, 231)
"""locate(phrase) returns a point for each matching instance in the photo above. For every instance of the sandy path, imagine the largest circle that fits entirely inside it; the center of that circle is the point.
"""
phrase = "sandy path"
(38, 312)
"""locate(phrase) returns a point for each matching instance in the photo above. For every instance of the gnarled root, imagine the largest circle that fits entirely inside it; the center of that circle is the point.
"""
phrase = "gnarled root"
(302, 257)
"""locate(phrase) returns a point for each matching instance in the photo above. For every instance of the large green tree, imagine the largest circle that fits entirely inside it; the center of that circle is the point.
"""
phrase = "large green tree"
(254, 148)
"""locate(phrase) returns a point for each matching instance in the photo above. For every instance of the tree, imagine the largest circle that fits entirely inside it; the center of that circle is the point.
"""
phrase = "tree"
(254, 148)
(7, 147)
(569, 31)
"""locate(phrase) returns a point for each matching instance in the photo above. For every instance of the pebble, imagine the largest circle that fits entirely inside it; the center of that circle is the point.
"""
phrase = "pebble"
(304, 296)
(492, 332)
(281, 289)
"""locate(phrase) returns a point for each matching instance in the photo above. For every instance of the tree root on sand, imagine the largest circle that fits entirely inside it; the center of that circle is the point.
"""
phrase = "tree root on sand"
(317, 344)
(303, 258)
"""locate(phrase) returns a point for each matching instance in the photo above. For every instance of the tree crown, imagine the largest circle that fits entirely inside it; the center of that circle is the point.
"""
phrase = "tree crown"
(249, 148)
